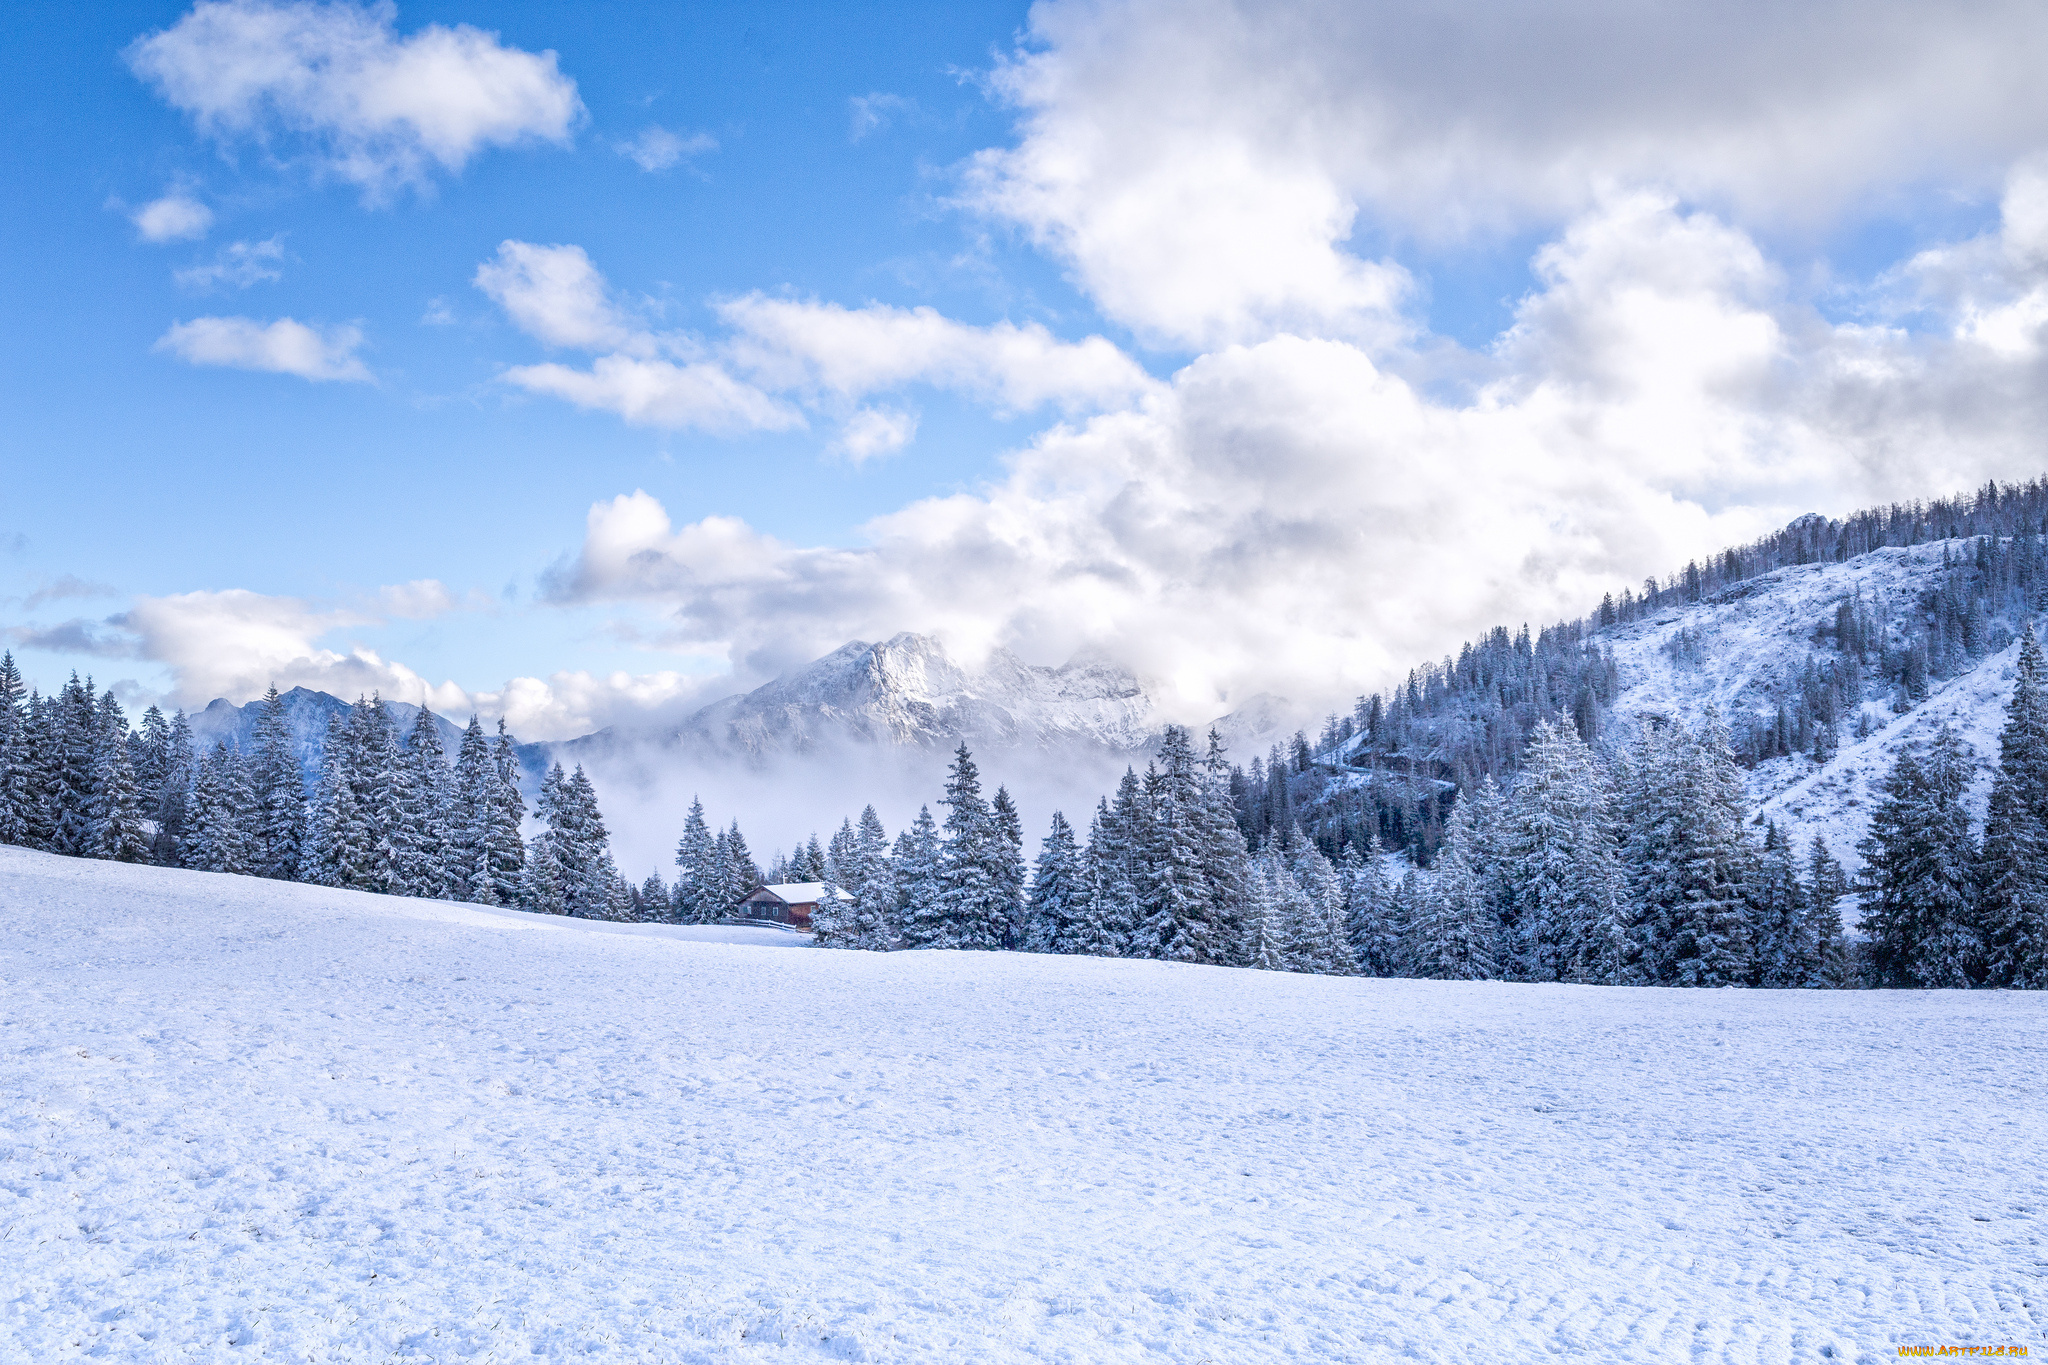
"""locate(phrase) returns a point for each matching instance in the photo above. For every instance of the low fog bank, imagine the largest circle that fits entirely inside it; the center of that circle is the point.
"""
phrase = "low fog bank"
(781, 801)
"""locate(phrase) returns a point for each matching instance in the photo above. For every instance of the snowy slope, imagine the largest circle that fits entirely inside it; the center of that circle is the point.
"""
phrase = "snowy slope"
(249, 1121)
(1758, 634)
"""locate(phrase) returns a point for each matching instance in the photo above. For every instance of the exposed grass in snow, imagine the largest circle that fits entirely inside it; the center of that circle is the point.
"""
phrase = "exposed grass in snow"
(242, 1120)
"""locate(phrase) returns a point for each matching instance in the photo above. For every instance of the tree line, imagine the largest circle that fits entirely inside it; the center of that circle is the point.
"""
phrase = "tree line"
(388, 813)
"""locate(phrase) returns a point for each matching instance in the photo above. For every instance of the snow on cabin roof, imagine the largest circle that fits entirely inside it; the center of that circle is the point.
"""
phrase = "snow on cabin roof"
(800, 893)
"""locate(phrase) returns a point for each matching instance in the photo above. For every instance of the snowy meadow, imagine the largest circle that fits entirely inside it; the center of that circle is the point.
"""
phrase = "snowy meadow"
(243, 1119)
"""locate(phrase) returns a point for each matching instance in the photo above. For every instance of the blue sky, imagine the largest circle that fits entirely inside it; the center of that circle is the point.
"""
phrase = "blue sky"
(1243, 324)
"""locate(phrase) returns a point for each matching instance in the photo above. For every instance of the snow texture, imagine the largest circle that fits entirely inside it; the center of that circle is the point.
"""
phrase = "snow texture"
(242, 1120)
(1758, 634)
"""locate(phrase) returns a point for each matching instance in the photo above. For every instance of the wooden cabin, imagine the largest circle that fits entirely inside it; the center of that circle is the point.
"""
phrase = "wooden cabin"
(789, 903)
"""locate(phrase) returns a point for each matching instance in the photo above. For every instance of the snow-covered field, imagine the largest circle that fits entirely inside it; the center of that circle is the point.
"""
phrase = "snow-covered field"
(242, 1120)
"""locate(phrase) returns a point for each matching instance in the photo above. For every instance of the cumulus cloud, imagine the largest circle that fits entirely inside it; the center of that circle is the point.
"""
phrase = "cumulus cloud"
(555, 295)
(236, 643)
(1202, 169)
(874, 431)
(787, 344)
(658, 149)
(1293, 517)
(779, 350)
(237, 266)
(873, 112)
(281, 347)
(423, 599)
(379, 109)
(177, 217)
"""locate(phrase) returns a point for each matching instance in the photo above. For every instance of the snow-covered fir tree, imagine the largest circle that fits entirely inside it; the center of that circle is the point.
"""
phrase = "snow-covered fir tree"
(1567, 900)
(971, 908)
(420, 817)
(1780, 919)
(2012, 865)
(920, 881)
(278, 795)
(1059, 904)
(1918, 892)
(1689, 861)
(1453, 932)
(1826, 885)
(219, 803)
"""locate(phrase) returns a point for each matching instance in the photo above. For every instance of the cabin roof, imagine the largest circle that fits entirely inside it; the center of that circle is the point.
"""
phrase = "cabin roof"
(800, 893)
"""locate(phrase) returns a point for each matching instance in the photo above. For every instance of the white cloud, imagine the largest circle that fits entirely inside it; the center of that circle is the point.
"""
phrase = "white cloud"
(177, 217)
(658, 149)
(282, 347)
(661, 393)
(236, 643)
(554, 294)
(383, 111)
(1292, 517)
(871, 113)
(787, 345)
(875, 431)
(1202, 168)
(813, 352)
(237, 265)
(423, 599)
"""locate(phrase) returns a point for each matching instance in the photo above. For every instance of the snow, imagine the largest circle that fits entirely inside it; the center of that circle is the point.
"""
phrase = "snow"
(1759, 633)
(243, 1120)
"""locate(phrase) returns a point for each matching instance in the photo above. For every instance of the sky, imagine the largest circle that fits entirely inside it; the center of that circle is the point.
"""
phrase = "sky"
(584, 364)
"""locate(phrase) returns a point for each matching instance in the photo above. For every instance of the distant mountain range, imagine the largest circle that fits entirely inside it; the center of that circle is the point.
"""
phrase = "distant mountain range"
(907, 693)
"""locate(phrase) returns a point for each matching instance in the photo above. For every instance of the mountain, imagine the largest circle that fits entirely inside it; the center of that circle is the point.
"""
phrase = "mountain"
(306, 715)
(909, 691)
(1890, 644)
(905, 694)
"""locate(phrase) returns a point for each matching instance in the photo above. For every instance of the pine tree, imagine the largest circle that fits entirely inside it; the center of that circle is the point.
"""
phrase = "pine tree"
(541, 879)
(1828, 967)
(2012, 867)
(419, 830)
(1561, 863)
(75, 731)
(181, 769)
(875, 903)
(1265, 937)
(1453, 934)
(152, 759)
(742, 875)
(1320, 943)
(1918, 891)
(373, 775)
(1689, 859)
(1224, 863)
(1780, 919)
(17, 797)
(835, 922)
(971, 910)
(1059, 909)
(220, 801)
(504, 850)
(1006, 864)
(700, 873)
(920, 882)
(279, 795)
(1375, 939)
(473, 790)
(114, 828)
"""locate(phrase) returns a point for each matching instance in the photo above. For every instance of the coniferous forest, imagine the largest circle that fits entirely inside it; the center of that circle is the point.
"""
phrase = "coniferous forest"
(1534, 845)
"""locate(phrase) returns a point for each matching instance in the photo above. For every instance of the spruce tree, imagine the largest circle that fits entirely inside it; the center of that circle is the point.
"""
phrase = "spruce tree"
(1006, 864)
(1561, 863)
(875, 903)
(1375, 939)
(972, 909)
(2012, 866)
(217, 841)
(1918, 892)
(473, 790)
(115, 818)
(541, 879)
(742, 876)
(419, 831)
(700, 875)
(75, 730)
(504, 850)
(279, 795)
(1828, 967)
(1780, 918)
(1059, 909)
(1453, 934)
(1689, 859)
(921, 916)
(181, 769)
